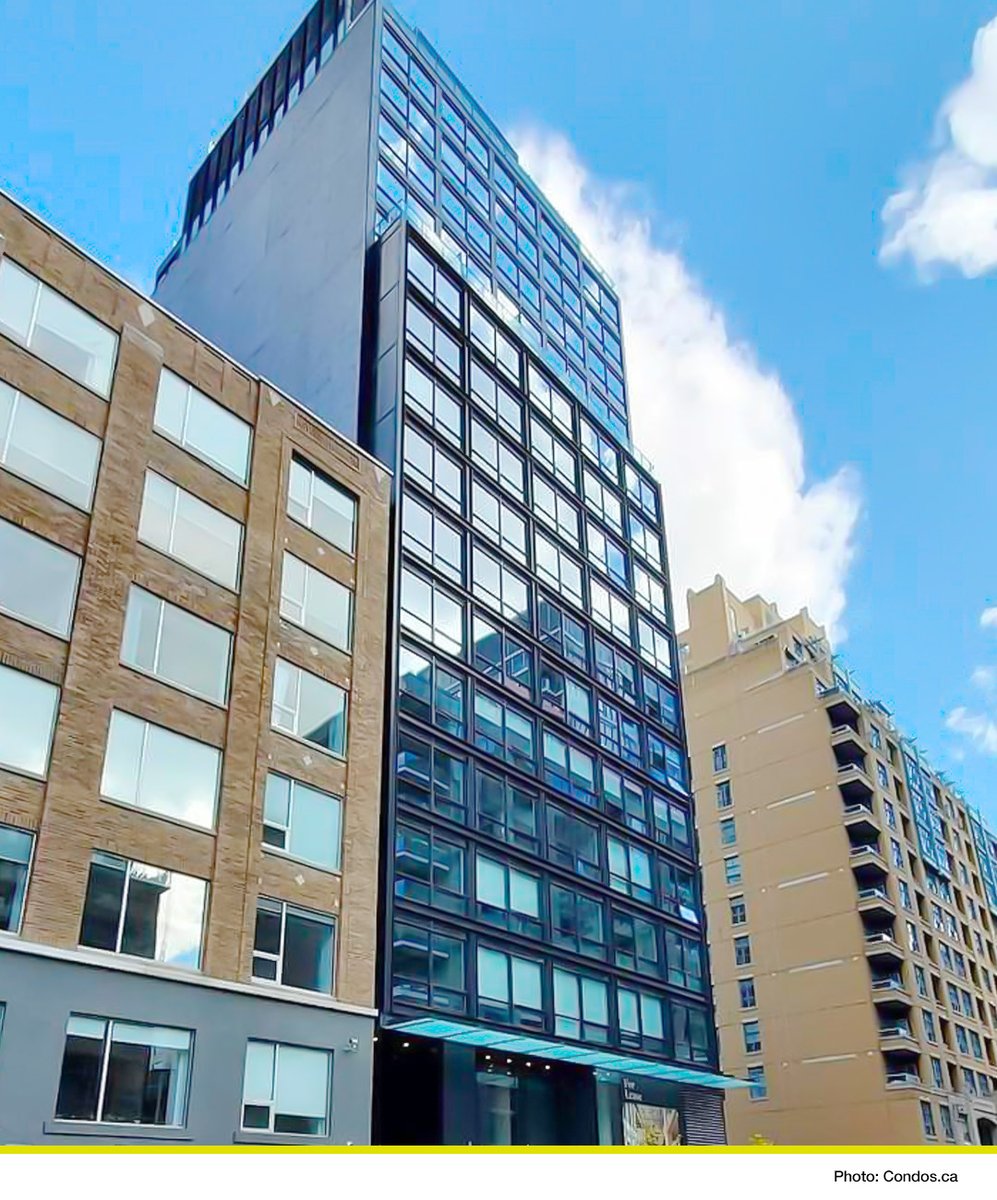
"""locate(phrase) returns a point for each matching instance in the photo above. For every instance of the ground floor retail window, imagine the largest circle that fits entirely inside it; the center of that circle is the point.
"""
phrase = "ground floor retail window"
(118, 1072)
(286, 1089)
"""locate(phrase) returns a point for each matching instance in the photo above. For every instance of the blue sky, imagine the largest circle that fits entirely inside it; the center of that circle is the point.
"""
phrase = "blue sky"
(759, 145)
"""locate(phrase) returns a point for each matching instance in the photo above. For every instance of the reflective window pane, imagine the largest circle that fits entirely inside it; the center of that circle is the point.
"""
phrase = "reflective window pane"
(28, 707)
(203, 426)
(161, 771)
(118, 1072)
(179, 524)
(286, 1089)
(322, 505)
(38, 580)
(316, 602)
(15, 857)
(302, 822)
(55, 329)
(309, 707)
(46, 449)
(293, 946)
(176, 646)
(134, 908)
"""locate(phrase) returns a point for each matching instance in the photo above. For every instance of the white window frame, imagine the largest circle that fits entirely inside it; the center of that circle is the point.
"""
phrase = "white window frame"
(147, 727)
(32, 843)
(58, 553)
(271, 1101)
(296, 714)
(193, 398)
(83, 438)
(42, 289)
(303, 473)
(312, 577)
(123, 912)
(278, 959)
(180, 494)
(109, 1024)
(283, 851)
(156, 672)
(55, 696)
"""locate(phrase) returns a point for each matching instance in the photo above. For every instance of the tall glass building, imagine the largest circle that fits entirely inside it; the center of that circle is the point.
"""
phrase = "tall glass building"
(363, 235)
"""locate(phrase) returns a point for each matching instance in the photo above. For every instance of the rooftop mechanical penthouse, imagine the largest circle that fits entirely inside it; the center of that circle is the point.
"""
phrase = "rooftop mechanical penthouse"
(364, 231)
(371, 122)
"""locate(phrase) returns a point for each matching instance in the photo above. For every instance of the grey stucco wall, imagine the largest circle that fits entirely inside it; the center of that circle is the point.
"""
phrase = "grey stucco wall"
(275, 278)
(41, 992)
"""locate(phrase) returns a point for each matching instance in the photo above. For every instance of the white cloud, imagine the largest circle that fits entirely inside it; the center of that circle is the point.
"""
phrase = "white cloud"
(978, 728)
(985, 678)
(946, 213)
(719, 427)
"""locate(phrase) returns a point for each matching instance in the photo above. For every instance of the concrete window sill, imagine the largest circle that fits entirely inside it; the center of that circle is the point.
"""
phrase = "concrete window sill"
(116, 1133)
(247, 1137)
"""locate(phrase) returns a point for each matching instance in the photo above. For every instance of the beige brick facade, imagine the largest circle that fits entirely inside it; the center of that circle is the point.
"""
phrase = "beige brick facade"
(65, 811)
(814, 879)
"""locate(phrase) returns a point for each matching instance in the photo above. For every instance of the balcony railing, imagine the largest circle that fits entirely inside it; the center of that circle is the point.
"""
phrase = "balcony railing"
(879, 937)
(902, 1079)
(896, 1031)
(857, 851)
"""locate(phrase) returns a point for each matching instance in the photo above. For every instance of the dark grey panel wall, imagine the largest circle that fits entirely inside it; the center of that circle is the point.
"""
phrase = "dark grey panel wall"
(41, 992)
(275, 278)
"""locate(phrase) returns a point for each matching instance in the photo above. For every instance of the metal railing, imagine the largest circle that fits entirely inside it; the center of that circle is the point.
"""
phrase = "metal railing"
(855, 851)
(858, 810)
(882, 936)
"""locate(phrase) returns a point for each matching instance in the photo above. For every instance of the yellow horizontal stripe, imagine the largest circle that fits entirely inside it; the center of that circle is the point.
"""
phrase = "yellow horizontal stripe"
(48, 1149)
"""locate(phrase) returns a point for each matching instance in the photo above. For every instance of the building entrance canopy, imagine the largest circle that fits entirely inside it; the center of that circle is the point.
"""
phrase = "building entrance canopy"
(601, 1060)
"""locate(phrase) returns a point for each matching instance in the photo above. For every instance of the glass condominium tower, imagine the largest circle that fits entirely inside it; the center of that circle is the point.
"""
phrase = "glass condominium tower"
(364, 236)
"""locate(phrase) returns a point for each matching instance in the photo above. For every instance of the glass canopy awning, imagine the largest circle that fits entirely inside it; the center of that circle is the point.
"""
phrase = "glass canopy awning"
(600, 1060)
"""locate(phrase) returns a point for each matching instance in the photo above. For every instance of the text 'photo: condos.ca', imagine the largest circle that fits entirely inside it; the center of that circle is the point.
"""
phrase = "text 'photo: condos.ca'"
(542, 962)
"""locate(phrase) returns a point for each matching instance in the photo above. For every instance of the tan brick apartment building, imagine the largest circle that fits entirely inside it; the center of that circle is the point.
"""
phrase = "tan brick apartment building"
(851, 897)
(193, 578)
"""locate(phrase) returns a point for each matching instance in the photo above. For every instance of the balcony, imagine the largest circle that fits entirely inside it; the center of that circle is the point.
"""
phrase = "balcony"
(897, 1037)
(862, 821)
(890, 994)
(854, 784)
(847, 746)
(842, 709)
(868, 865)
(881, 947)
(902, 1079)
(875, 902)
(859, 852)
(900, 1057)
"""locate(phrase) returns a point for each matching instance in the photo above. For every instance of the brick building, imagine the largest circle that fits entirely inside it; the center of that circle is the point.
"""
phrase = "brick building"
(193, 575)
